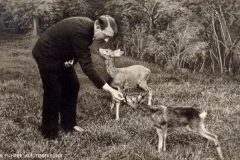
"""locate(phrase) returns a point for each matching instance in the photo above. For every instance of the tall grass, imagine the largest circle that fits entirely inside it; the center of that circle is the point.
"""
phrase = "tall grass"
(133, 137)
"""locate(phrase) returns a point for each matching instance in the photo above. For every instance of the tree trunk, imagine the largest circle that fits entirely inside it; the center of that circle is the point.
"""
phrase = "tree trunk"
(155, 57)
(35, 25)
(117, 46)
(132, 51)
(125, 50)
(217, 43)
(138, 48)
(150, 23)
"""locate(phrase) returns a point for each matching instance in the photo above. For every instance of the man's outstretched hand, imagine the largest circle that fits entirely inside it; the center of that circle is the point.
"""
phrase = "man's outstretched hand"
(116, 95)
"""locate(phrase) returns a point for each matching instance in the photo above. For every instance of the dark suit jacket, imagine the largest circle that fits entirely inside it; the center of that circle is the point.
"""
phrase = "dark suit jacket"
(68, 39)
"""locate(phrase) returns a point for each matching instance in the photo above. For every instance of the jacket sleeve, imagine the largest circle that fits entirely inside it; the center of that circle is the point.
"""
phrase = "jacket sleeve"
(83, 54)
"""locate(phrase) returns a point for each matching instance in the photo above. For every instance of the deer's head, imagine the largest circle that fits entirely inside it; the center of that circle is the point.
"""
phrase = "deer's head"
(135, 101)
(110, 54)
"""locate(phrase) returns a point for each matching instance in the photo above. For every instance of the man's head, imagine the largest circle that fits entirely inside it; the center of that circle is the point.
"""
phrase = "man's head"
(104, 28)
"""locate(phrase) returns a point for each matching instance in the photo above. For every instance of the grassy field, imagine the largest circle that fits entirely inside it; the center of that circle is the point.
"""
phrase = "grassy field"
(131, 138)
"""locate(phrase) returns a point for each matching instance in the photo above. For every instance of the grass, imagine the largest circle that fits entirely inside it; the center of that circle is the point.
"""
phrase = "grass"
(131, 138)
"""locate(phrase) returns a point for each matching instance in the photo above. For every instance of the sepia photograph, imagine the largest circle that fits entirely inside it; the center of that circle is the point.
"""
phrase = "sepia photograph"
(120, 79)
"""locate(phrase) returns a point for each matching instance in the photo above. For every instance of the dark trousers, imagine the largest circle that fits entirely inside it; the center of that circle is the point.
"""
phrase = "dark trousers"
(60, 96)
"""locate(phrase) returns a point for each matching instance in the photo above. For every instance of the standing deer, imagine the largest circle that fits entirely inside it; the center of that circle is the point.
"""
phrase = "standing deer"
(127, 77)
(169, 117)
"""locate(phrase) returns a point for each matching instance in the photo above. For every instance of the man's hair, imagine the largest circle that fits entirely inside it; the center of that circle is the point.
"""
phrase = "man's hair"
(102, 21)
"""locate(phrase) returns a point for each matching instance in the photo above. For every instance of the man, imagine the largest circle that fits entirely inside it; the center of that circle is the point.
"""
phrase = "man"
(66, 40)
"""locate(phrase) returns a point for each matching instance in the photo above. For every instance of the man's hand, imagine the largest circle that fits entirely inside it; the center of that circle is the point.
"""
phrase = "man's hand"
(69, 63)
(116, 95)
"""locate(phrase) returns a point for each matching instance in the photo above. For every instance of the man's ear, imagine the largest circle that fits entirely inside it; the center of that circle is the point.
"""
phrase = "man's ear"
(98, 27)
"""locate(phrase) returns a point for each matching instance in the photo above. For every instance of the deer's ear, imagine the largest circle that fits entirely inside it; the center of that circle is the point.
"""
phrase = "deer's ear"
(115, 53)
(118, 53)
(142, 98)
(121, 53)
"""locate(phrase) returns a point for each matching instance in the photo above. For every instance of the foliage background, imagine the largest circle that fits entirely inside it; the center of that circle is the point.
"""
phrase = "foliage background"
(172, 33)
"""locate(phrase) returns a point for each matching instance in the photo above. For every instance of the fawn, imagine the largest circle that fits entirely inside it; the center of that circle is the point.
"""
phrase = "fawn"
(165, 117)
(126, 77)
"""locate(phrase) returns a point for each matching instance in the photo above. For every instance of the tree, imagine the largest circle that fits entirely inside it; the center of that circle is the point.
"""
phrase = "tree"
(222, 42)
(150, 8)
(19, 14)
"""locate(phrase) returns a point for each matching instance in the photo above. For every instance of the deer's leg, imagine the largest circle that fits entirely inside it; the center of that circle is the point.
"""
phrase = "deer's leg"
(206, 145)
(164, 131)
(144, 86)
(117, 110)
(160, 139)
(112, 104)
(150, 96)
(118, 105)
(209, 136)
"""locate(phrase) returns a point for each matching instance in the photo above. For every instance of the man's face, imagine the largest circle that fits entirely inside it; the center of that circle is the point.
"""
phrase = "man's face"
(103, 34)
